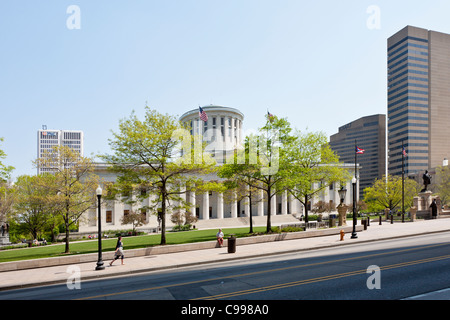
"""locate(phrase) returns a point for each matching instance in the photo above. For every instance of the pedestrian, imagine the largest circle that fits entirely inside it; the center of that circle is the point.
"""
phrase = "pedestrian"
(433, 207)
(119, 251)
(219, 237)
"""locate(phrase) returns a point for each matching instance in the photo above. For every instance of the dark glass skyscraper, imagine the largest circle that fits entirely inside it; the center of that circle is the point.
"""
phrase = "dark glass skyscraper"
(370, 134)
(418, 99)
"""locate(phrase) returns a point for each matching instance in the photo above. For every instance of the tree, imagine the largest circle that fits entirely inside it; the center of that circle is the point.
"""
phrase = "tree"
(310, 167)
(443, 183)
(387, 193)
(135, 219)
(71, 187)
(5, 171)
(258, 163)
(7, 198)
(146, 156)
(32, 210)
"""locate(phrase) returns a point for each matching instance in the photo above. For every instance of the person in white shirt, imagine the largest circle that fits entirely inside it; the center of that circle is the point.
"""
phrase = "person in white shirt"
(219, 237)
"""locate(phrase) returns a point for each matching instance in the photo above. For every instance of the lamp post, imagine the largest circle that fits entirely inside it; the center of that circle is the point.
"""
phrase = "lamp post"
(354, 235)
(342, 192)
(100, 265)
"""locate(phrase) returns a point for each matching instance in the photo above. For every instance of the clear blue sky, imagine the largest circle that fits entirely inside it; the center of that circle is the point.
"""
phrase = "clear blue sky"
(315, 62)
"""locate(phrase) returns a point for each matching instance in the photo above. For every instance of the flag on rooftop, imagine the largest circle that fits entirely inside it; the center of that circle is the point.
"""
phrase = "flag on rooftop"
(202, 114)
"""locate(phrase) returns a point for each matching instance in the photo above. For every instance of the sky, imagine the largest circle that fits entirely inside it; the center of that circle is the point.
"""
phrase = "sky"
(321, 64)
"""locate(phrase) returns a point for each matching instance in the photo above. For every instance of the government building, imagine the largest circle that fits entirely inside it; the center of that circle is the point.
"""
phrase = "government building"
(224, 127)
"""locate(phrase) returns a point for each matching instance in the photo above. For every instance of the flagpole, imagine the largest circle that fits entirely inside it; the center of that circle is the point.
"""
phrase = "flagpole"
(354, 235)
(403, 182)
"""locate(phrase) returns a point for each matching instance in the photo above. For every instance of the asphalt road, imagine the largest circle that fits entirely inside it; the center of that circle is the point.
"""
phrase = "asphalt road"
(415, 267)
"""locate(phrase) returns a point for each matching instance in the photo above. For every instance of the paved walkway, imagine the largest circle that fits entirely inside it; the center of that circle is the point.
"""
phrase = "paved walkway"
(60, 274)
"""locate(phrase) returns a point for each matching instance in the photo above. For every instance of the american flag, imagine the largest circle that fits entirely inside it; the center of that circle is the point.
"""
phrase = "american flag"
(404, 152)
(202, 114)
(359, 150)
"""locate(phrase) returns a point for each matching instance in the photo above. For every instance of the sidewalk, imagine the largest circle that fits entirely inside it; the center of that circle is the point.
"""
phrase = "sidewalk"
(60, 274)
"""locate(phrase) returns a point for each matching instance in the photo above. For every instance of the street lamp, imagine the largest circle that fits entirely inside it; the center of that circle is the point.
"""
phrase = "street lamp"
(342, 192)
(100, 265)
(354, 235)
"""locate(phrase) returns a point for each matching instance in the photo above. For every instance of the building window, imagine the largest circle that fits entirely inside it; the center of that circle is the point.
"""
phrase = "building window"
(108, 216)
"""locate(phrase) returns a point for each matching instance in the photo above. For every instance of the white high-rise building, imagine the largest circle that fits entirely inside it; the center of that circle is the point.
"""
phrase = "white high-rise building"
(47, 139)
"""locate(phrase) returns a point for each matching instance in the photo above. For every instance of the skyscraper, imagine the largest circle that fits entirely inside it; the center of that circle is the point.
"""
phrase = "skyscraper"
(418, 99)
(370, 134)
(47, 139)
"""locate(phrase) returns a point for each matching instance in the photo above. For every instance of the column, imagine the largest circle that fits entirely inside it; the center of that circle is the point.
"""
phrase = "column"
(192, 203)
(205, 206)
(246, 204)
(220, 205)
(284, 205)
(181, 202)
(273, 205)
(260, 203)
(234, 206)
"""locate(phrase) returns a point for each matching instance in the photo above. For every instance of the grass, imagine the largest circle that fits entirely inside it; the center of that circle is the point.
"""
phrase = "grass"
(91, 246)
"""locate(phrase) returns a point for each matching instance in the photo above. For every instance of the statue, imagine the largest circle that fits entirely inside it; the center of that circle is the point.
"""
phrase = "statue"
(426, 180)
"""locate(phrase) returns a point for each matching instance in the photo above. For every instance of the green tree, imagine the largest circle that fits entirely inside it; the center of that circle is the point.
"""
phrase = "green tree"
(146, 156)
(258, 163)
(136, 219)
(310, 166)
(443, 183)
(32, 210)
(71, 187)
(5, 171)
(387, 193)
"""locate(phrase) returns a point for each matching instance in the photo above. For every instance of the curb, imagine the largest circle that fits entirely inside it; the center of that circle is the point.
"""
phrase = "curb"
(231, 258)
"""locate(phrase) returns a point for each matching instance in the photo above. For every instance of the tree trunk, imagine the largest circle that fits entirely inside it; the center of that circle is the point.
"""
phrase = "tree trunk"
(306, 211)
(269, 209)
(67, 238)
(163, 219)
(250, 211)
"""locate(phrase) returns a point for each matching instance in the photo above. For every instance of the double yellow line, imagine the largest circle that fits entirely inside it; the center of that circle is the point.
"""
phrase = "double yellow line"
(280, 286)
(319, 279)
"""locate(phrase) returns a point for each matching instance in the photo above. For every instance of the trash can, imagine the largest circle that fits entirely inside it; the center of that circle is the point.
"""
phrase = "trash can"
(232, 244)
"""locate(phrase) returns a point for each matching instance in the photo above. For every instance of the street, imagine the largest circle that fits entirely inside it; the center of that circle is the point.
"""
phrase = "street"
(382, 270)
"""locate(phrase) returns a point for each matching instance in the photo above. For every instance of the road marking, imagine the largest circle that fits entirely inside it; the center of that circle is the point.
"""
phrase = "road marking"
(260, 272)
(319, 279)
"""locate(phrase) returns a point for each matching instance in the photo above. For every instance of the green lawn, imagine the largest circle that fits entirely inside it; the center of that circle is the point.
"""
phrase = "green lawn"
(91, 246)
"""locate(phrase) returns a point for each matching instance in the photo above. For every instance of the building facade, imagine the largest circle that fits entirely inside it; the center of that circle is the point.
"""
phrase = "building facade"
(47, 139)
(369, 133)
(418, 99)
(207, 205)
(224, 124)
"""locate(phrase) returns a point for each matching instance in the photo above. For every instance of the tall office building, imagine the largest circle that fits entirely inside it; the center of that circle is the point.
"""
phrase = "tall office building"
(370, 134)
(47, 139)
(418, 99)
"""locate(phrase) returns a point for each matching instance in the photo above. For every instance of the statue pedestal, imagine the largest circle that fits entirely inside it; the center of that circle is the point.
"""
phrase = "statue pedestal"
(4, 240)
(342, 210)
(422, 203)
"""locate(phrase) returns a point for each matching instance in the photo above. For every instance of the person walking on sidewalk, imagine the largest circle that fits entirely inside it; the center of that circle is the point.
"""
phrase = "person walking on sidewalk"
(119, 251)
